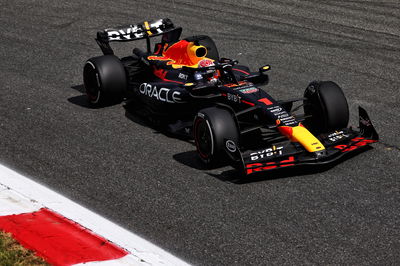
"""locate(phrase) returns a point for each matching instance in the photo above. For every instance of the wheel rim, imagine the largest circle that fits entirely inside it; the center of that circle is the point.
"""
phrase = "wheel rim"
(92, 82)
(203, 138)
(93, 95)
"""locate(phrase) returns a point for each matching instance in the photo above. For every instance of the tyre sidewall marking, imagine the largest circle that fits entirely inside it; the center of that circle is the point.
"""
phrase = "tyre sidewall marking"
(201, 116)
(230, 146)
(212, 137)
(94, 98)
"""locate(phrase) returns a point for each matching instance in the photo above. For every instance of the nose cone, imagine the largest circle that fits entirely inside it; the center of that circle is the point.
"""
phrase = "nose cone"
(303, 136)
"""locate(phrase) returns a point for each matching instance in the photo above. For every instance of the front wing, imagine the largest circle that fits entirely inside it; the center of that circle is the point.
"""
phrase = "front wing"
(283, 155)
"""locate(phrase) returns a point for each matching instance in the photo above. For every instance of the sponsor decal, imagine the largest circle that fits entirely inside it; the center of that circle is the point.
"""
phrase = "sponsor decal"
(233, 97)
(243, 86)
(249, 90)
(134, 31)
(282, 116)
(230, 145)
(280, 113)
(338, 135)
(125, 34)
(182, 76)
(156, 26)
(232, 85)
(286, 121)
(161, 94)
(258, 167)
(198, 76)
(286, 118)
(275, 109)
(274, 150)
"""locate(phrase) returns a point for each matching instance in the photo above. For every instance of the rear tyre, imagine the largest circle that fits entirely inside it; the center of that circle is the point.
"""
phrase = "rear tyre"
(326, 106)
(105, 80)
(214, 129)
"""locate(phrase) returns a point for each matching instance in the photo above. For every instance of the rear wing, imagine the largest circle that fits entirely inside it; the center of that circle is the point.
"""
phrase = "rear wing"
(144, 30)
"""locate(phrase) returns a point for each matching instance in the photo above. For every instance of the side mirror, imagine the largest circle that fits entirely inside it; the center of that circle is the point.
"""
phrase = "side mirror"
(264, 68)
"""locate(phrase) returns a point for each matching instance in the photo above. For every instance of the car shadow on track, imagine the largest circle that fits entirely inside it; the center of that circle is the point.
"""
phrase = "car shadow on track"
(236, 177)
(134, 112)
(80, 88)
(190, 158)
(80, 100)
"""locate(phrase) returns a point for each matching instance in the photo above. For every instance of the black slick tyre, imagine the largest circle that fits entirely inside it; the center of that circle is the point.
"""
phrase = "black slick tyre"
(326, 107)
(212, 128)
(105, 80)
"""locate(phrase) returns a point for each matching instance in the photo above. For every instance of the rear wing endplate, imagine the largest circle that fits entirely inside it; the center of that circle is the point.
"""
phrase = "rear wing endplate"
(125, 33)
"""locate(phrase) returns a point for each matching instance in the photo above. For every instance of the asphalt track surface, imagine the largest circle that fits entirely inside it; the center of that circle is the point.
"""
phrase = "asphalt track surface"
(153, 185)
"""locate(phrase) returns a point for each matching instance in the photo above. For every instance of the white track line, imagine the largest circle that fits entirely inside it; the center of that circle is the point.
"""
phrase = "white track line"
(13, 203)
(35, 196)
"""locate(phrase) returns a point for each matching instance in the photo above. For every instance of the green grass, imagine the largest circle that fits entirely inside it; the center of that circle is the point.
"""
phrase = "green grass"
(12, 253)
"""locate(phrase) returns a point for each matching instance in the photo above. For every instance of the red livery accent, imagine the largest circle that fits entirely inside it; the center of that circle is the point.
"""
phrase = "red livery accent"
(161, 73)
(246, 102)
(251, 168)
(59, 240)
(360, 143)
(265, 101)
(160, 48)
(286, 131)
(244, 72)
(232, 85)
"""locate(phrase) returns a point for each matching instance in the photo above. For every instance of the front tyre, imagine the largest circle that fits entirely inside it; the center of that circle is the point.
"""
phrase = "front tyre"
(105, 80)
(212, 128)
(325, 107)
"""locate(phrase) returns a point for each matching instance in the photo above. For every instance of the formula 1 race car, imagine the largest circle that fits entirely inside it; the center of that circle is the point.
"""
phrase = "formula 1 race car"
(185, 86)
